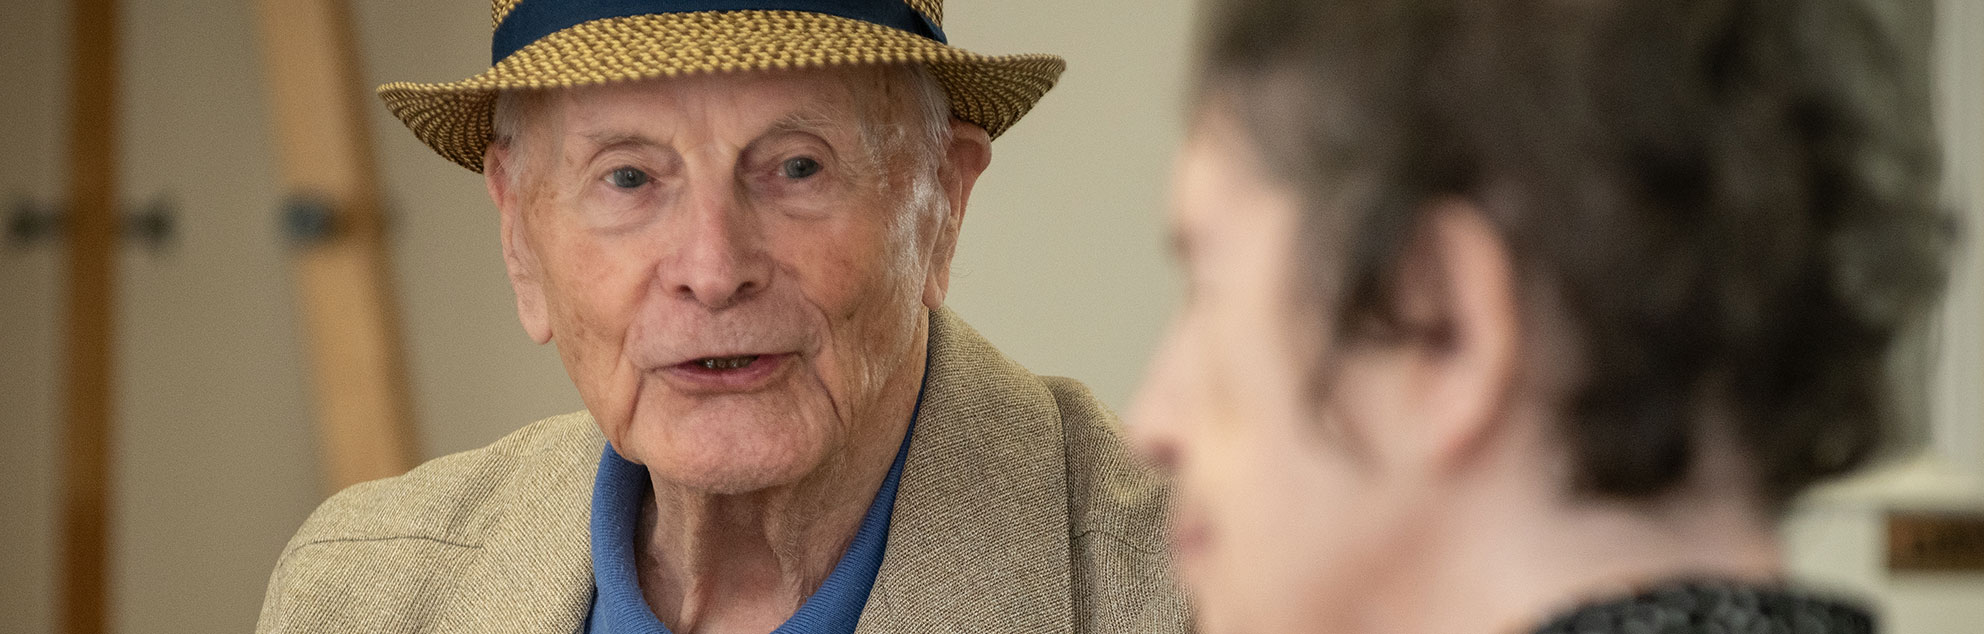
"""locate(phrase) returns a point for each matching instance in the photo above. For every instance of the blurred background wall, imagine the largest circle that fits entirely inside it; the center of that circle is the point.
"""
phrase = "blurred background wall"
(1062, 265)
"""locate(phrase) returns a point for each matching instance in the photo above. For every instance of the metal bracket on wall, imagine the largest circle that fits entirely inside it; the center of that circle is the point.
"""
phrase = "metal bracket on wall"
(154, 224)
(309, 219)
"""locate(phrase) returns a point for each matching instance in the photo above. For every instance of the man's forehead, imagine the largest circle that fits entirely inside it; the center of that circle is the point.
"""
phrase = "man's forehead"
(755, 101)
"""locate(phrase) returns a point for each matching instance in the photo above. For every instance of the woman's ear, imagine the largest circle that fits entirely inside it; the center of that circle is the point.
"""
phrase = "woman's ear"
(1459, 308)
(518, 257)
(1426, 390)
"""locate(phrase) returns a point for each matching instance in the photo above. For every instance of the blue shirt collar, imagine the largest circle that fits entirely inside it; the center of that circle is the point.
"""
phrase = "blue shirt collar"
(619, 608)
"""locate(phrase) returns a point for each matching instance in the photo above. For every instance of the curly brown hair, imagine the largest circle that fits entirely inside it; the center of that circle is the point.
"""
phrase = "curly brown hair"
(1730, 197)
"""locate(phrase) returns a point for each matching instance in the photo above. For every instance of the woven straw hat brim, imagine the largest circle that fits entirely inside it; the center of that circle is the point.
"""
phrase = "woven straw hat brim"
(453, 118)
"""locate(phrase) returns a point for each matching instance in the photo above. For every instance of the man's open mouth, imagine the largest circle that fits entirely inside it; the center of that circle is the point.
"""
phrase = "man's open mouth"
(724, 363)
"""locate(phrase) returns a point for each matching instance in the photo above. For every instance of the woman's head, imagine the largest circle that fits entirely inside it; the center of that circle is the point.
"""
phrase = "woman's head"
(1626, 251)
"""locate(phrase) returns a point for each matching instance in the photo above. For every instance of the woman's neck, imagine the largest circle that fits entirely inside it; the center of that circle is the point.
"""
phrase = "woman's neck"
(1512, 549)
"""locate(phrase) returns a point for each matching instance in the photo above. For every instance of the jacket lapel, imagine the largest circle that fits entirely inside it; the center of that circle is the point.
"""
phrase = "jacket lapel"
(533, 572)
(979, 538)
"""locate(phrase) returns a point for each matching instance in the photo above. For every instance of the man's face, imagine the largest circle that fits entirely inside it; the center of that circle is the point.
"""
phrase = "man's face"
(732, 274)
(1272, 516)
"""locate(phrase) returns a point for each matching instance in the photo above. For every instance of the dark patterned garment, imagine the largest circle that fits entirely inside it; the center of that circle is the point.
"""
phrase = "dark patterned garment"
(1716, 608)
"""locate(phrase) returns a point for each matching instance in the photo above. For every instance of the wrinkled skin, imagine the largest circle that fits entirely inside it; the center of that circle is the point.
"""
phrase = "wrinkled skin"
(746, 221)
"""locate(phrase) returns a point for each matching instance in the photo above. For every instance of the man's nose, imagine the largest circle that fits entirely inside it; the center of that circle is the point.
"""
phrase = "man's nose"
(722, 259)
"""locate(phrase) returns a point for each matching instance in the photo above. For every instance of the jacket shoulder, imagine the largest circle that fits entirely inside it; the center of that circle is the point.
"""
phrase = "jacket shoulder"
(1117, 510)
(380, 555)
(446, 499)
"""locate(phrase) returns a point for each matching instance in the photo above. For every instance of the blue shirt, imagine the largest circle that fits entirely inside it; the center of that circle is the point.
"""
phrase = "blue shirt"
(619, 608)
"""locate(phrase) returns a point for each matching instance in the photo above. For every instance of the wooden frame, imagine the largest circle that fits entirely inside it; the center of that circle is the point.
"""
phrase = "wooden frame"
(90, 316)
(343, 276)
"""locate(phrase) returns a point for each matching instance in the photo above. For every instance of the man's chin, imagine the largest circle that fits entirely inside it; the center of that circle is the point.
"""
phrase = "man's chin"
(731, 465)
(734, 445)
(731, 479)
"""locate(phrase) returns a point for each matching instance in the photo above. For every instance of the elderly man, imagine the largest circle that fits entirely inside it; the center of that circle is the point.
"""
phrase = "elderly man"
(736, 220)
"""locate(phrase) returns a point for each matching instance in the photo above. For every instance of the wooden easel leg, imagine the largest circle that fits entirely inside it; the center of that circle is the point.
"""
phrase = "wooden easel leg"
(343, 278)
(92, 234)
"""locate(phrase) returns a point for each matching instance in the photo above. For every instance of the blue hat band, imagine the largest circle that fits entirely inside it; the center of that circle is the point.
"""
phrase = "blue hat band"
(531, 20)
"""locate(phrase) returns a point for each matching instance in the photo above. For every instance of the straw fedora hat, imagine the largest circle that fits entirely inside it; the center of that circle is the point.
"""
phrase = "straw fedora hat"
(567, 43)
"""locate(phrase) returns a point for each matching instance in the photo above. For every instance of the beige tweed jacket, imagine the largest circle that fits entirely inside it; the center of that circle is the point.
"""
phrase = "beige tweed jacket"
(1020, 511)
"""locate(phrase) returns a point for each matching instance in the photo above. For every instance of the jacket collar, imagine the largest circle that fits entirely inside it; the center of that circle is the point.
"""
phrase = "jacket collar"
(978, 543)
(532, 572)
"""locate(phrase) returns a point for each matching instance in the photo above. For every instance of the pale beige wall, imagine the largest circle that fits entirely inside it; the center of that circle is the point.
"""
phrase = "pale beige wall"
(27, 327)
(211, 453)
(1061, 265)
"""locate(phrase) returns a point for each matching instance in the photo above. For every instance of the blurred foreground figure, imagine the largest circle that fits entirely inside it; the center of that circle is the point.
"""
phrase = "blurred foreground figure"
(736, 220)
(1532, 316)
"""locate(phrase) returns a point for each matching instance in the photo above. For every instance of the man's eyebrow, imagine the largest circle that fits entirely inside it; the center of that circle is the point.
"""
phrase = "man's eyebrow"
(615, 138)
(816, 116)
(813, 117)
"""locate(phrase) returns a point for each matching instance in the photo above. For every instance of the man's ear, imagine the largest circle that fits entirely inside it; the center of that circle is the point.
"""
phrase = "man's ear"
(518, 257)
(1461, 331)
(969, 153)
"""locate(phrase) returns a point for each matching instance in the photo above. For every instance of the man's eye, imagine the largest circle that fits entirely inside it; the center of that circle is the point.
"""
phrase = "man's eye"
(627, 178)
(797, 168)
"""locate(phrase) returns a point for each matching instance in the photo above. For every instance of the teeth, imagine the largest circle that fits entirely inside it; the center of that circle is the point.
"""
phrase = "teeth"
(729, 363)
